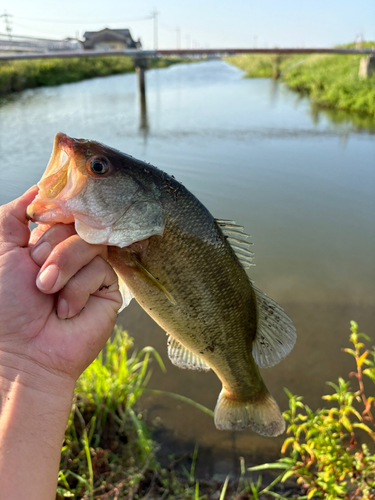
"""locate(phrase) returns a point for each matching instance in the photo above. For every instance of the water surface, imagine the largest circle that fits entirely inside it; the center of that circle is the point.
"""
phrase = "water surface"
(253, 151)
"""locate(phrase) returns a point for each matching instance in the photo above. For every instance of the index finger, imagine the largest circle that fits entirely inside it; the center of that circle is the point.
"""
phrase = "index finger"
(14, 228)
(65, 260)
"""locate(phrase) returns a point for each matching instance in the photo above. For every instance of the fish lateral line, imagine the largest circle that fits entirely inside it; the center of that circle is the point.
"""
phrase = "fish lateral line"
(155, 281)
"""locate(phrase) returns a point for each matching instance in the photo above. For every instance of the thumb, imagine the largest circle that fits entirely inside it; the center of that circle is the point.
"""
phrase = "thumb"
(14, 227)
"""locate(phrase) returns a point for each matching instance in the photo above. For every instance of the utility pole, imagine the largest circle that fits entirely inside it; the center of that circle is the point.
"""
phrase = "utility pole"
(178, 38)
(8, 27)
(154, 15)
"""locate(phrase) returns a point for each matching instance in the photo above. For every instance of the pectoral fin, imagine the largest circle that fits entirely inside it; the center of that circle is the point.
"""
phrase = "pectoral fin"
(154, 280)
(183, 358)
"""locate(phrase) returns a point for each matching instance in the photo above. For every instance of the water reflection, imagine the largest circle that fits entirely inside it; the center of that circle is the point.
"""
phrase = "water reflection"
(360, 122)
(143, 122)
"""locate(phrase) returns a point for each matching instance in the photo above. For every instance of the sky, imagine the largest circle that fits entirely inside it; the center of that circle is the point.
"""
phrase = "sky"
(200, 23)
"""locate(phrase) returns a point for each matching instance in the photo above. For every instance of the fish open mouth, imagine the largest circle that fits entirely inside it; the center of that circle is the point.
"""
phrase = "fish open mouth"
(60, 181)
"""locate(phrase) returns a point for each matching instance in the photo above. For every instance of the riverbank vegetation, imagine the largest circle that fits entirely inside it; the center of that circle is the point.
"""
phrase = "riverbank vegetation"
(108, 453)
(20, 75)
(330, 451)
(330, 80)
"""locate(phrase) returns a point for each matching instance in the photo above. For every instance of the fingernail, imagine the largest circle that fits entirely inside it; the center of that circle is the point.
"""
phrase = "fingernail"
(62, 309)
(47, 279)
(40, 252)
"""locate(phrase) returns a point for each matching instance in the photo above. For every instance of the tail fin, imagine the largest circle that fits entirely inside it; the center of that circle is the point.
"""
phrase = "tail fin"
(262, 416)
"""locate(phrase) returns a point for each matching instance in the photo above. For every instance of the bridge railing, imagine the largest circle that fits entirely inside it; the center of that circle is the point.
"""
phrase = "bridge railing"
(139, 53)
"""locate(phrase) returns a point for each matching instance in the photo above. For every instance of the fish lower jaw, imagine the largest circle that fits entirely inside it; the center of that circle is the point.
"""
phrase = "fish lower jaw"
(50, 218)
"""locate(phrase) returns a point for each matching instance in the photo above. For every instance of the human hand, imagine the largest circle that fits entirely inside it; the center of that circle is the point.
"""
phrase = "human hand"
(43, 288)
(45, 281)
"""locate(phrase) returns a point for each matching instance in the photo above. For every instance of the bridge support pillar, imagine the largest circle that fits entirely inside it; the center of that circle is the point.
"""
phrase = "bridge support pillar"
(366, 66)
(140, 67)
(276, 60)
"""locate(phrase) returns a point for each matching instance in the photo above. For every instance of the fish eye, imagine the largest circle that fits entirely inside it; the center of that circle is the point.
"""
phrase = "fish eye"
(99, 167)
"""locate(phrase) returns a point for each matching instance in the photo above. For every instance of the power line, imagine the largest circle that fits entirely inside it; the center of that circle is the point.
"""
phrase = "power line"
(32, 30)
(86, 21)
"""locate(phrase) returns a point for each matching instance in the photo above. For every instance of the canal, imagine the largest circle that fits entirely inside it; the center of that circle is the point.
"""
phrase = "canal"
(302, 184)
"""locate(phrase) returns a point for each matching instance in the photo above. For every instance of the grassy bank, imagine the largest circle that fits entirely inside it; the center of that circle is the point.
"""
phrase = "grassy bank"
(21, 75)
(258, 65)
(108, 452)
(331, 81)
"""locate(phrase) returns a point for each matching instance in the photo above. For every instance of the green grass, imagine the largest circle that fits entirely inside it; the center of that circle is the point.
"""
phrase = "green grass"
(20, 75)
(107, 446)
(258, 65)
(107, 451)
(330, 80)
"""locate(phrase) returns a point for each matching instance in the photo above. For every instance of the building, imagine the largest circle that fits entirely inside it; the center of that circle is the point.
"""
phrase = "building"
(108, 39)
(40, 45)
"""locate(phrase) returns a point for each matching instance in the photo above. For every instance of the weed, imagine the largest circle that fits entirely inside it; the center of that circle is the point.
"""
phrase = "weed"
(325, 453)
(107, 446)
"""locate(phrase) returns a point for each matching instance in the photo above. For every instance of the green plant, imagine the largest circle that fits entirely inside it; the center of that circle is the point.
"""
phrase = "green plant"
(259, 65)
(330, 80)
(106, 444)
(327, 454)
(19, 75)
(107, 452)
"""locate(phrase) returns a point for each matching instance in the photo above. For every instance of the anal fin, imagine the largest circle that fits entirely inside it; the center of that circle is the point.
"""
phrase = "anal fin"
(276, 334)
(183, 358)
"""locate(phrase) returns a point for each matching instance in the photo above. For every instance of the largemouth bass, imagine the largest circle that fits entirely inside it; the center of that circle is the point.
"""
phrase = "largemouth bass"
(185, 268)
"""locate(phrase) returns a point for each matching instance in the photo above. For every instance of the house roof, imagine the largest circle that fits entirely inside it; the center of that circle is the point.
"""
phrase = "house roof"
(109, 35)
(124, 32)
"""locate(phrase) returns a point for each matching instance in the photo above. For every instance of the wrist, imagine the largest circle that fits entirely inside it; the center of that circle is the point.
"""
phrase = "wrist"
(32, 425)
(16, 370)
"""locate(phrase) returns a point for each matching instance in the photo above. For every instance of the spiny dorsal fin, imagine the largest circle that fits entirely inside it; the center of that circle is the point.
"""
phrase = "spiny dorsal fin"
(153, 279)
(276, 334)
(237, 239)
(183, 358)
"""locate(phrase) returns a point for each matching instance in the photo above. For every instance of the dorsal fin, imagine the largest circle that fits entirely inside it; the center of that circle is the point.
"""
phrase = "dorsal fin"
(183, 358)
(237, 239)
(275, 335)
